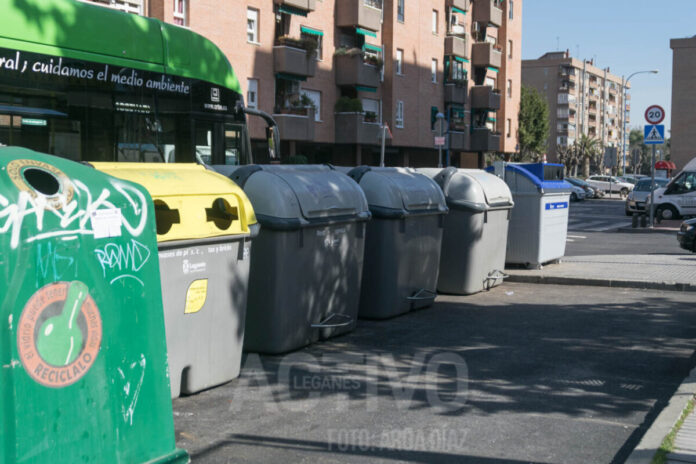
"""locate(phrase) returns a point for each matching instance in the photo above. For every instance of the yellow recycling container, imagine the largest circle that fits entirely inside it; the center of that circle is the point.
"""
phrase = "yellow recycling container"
(205, 224)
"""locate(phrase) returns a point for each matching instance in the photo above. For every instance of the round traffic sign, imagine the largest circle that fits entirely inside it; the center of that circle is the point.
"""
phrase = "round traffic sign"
(655, 114)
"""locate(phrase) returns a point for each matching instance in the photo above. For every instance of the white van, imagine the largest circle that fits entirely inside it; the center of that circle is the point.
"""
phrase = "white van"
(678, 198)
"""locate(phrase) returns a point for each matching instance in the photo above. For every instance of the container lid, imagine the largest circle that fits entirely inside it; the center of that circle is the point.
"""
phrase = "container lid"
(300, 194)
(191, 202)
(536, 173)
(471, 188)
(401, 191)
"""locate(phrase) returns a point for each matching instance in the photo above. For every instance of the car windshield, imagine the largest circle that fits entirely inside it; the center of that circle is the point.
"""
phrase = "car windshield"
(578, 182)
(644, 184)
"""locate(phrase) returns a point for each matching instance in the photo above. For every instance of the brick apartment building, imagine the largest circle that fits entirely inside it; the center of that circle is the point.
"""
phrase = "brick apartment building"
(394, 61)
(683, 100)
(582, 99)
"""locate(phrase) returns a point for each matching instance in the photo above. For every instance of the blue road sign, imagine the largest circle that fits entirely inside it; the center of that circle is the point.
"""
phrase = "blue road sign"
(654, 134)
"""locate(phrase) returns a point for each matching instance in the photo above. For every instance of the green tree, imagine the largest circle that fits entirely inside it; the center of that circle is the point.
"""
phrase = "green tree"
(533, 124)
(588, 149)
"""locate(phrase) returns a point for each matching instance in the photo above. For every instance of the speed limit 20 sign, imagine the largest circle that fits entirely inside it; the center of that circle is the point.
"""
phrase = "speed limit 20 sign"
(654, 114)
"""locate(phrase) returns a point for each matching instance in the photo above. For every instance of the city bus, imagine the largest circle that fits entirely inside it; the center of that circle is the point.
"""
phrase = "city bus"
(89, 83)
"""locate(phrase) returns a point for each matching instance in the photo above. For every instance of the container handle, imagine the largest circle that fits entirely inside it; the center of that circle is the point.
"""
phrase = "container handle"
(325, 324)
(493, 277)
(423, 294)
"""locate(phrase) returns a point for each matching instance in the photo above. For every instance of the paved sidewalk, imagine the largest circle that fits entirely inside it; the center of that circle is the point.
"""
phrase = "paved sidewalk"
(685, 442)
(665, 227)
(661, 272)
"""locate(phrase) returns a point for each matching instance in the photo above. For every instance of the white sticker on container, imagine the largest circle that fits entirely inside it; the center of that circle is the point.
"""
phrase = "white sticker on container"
(106, 222)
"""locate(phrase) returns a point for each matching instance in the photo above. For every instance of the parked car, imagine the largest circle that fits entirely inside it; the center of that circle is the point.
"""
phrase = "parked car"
(687, 235)
(678, 198)
(577, 193)
(610, 184)
(590, 192)
(635, 202)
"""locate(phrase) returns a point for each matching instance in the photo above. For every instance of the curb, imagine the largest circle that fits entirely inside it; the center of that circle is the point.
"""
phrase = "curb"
(662, 426)
(636, 284)
(645, 230)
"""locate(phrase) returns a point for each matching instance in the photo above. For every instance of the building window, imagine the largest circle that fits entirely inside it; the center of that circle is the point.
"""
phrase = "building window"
(508, 125)
(399, 115)
(315, 97)
(399, 61)
(511, 9)
(318, 39)
(180, 16)
(400, 11)
(510, 49)
(371, 108)
(253, 93)
(509, 88)
(434, 21)
(252, 25)
(433, 71)
(457, 72)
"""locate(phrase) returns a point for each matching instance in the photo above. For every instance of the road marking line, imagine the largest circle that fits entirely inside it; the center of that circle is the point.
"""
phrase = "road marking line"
(569, 240)
(576, 236)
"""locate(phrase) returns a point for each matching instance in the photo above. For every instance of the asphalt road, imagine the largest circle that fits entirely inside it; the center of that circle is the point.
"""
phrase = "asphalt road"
(592, 230)
(524, 373)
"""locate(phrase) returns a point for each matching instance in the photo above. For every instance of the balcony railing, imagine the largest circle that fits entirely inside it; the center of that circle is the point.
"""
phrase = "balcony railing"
(298, 127)
(366, 14)
(486, 12)
(352, 70)
(461, 4)
(457, 46)
(307, 5)
(456, 93)
(459, 139)
(351, 128)
(289, 59)
(129, 6)
(485, 54)
(483, 139)
(485, 97)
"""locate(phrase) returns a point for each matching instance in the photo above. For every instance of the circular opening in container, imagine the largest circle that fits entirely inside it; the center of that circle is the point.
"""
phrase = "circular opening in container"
(165, 217)
(222, 214)
(44, 182)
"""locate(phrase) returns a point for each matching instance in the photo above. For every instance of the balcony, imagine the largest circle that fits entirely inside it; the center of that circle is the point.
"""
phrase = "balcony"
(293, 60)
(486, 12)
(485, 54)
(457, 46)
(483, 139)
(307, 5)
(485, 97)
(352, 70)
(461, 4)
(456, 93)
(459, 139)
(366, 14)
(567, 73)
(352, 128)
(298, 127)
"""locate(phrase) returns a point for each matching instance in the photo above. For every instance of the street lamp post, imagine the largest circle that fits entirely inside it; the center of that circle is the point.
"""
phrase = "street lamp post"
(623, 115)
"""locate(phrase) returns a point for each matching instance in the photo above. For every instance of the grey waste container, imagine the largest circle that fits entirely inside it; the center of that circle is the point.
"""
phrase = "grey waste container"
(307, 263)
(475, 235)
(539, 222)
(404, 237)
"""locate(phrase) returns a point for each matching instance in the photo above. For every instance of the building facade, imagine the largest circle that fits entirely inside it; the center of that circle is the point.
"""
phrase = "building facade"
(582, 99)
(334, 72)
(683, 101)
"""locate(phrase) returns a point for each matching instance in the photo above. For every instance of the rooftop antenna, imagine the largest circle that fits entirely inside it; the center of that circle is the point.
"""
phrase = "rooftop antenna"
(558, 43)
(577, 51)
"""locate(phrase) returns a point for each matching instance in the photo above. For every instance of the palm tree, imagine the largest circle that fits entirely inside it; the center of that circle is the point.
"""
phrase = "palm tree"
(588, 149)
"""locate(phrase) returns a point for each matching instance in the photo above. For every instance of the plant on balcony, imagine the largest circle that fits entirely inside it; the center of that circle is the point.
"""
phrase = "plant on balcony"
(374, 60)
(297, 104)
(348, 105)
(307, 43)
(370, 116)
(345, 51)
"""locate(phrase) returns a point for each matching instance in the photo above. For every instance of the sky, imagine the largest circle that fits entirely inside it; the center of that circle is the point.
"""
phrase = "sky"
(625, 35)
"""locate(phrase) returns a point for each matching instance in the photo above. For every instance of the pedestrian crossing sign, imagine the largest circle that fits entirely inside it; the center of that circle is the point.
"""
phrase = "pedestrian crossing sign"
(654, 134)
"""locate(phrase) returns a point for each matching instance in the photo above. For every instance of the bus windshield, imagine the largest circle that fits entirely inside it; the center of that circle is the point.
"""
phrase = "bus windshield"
(89, 111)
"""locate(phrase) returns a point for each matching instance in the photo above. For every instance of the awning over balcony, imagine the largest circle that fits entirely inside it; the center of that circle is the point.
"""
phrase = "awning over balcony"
(287, 9)
(290, 77)
(461, 60)
(492, 68)
(361, 88)
(309, 30)
(373, 48)
(458, 10)
(361, 31)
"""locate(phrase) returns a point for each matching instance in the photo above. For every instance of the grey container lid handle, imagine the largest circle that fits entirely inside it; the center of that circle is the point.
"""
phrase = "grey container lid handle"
(347, 320)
